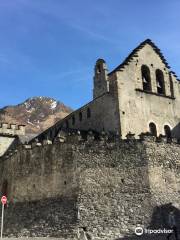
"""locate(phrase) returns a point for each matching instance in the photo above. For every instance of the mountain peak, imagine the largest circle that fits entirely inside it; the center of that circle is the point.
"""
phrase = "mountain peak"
(37, 113)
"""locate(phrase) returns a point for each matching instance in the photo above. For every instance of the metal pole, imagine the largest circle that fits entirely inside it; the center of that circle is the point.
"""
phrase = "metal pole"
(2, 218)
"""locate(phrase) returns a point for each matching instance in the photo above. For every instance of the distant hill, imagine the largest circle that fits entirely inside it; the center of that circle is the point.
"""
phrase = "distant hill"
(37, 113)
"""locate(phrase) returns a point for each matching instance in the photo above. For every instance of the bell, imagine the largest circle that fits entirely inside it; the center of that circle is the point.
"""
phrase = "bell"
(158, 85)
(144, 80)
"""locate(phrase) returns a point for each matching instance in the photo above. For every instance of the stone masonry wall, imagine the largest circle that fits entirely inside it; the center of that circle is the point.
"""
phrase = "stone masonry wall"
(53, 217)
(122, 193)
(12, 129)
(114, 185)
(40, 172)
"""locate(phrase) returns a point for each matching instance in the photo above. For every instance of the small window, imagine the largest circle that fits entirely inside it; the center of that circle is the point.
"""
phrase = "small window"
(98, 68)
(73, 120)
(88, 113)
(67, 124)
(167, 131)
(171, 86)
(146, 78)
(51, 134)
(160, 82)
(152, 129)
(80, 116)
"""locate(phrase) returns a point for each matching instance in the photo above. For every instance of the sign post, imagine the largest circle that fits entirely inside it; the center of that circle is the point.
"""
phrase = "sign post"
(4, 201)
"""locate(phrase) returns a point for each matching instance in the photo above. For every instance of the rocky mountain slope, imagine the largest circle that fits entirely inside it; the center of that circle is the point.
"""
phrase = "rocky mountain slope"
(37, 113)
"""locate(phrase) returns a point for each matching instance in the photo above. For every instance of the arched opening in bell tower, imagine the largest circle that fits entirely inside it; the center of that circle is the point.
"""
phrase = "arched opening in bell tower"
(146, 78)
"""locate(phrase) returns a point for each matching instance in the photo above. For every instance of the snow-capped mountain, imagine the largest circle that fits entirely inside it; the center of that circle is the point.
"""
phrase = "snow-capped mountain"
(37, 113)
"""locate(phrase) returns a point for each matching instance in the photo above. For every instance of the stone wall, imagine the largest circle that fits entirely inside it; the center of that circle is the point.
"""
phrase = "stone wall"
(53, 217)
(12, 129)
(114, 184)
(123, 193)
(112, 204)
(39, 172)
(104, 115)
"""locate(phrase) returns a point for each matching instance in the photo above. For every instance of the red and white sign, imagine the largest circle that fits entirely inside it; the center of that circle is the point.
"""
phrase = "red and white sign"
(4, 200)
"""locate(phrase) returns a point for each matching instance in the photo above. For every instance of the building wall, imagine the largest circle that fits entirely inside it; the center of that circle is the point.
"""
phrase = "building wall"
(138, 108)
(114, 184)
(104, 116)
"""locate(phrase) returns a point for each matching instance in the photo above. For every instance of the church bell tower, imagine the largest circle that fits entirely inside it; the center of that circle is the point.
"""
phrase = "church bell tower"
(101, 83)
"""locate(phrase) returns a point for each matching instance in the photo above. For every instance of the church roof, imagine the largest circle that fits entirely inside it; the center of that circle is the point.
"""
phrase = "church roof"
(134, 54)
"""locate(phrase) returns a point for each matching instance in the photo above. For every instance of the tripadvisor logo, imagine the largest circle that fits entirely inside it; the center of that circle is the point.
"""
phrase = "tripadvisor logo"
(139, 231)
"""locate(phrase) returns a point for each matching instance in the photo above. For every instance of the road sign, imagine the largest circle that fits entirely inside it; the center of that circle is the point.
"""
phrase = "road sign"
(4, 200)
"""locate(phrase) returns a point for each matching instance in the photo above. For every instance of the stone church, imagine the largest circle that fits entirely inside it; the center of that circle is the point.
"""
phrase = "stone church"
(140, 95)
(108, 167)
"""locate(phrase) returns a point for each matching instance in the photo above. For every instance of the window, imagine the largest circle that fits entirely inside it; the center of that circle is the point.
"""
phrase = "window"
(167, 131)
(88, 113)
(152, 129)
(146, 78)
(171, 86)
(67, 124)
(51, 134)
(80, 116)
(73, 120)
(160, 82)
(98, 68)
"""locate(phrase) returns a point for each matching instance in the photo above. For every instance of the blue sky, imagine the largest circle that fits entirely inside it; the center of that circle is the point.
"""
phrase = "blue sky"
(49, 47)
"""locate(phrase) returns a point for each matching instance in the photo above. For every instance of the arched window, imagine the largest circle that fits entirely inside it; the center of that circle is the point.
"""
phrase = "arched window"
(80, 116)
(152, 129)
(73, 120)
(160, 82)
(167, 131)
(146, 78)
(88, 113)
(171, 86)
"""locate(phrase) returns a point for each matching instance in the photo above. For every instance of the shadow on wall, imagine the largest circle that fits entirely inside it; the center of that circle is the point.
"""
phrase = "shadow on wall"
(161, 219)
(176, 131)
(4, 188)
(53, 217)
